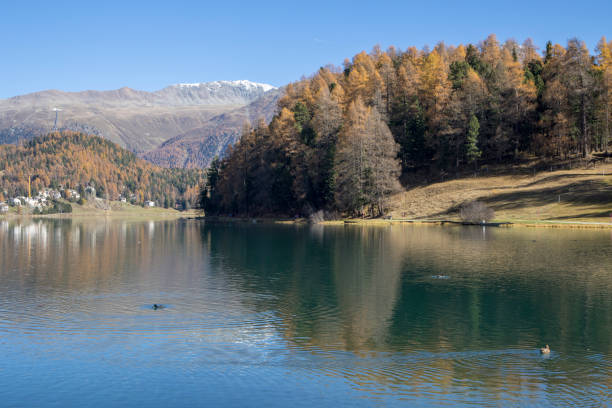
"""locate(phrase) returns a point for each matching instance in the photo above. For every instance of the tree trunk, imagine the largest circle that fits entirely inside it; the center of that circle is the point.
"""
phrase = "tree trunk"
(584, 129)
(457, 153)
(607, 131)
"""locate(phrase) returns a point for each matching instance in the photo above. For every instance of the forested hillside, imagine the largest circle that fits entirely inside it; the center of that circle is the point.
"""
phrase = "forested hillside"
(76, 160)
(343, 137)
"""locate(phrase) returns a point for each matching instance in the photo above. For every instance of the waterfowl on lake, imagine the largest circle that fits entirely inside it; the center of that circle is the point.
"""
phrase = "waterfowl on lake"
(156, 306)
(545, 350)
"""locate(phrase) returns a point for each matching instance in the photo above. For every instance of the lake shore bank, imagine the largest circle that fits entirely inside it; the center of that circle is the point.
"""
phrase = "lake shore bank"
(393, 221)
(116, 210)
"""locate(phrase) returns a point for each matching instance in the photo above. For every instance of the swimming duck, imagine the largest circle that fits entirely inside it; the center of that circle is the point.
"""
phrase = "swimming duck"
(156, 306)
(545, 350)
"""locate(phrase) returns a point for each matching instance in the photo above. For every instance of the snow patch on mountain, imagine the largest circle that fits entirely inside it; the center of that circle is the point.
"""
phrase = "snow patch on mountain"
(249, 85)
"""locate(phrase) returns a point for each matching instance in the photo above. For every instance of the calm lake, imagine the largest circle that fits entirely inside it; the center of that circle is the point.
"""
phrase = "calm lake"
(285, 315)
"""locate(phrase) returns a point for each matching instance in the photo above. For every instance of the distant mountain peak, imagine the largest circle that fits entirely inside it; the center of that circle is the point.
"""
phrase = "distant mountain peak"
(138, 120)
(243, 83)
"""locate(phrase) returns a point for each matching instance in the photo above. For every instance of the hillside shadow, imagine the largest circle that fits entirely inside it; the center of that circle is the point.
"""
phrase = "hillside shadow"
(601, 214)
(555, 178)
(584, 193)
(591, 192)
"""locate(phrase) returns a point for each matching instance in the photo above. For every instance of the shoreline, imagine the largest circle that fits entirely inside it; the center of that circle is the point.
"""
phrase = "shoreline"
(385, 222)
(106, 215)
(195, 215)
(575, 197)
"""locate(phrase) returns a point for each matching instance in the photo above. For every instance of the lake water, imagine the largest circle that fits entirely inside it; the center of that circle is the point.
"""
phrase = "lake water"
(263, 315)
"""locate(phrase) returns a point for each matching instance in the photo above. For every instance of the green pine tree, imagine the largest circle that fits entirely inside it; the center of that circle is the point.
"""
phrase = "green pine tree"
(473, 152)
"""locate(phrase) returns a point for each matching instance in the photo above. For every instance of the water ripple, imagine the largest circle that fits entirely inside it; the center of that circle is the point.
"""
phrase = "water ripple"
(281, 316)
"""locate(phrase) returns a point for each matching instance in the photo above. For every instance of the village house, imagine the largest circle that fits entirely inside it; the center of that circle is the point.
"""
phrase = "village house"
(122, 199)
(71, 194)
(90, 191)
(37, 202)
(149, 203)
(4, 208)
(40, 199)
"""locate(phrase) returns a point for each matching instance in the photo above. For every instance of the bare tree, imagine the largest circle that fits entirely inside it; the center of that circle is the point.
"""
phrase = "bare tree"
(476, 212)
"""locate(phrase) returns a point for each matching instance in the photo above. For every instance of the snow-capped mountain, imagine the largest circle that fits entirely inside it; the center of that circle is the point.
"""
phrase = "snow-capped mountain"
(215, 93)
(237, 84)
(137, 120)
(197, 147)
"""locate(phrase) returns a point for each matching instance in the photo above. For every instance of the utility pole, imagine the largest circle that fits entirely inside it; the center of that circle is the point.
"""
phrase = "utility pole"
(56, 110)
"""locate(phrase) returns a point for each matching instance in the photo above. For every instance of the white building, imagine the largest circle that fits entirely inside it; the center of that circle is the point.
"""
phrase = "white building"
(149, 203)
(32, 202)
(4, 208)
(15, 202)
(72, 194)
(122, 199)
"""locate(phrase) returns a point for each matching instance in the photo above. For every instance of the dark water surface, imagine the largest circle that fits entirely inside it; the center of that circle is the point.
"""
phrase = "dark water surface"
(271, 316)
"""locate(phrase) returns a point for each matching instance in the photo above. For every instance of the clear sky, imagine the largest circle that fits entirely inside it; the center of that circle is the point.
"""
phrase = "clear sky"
(77, 45)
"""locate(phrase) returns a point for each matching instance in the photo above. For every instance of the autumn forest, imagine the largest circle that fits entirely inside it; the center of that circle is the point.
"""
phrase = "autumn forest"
(76, 160)
(344, 138)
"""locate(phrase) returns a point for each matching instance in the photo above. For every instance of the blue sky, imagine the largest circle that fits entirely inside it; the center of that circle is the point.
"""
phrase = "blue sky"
(77, 45)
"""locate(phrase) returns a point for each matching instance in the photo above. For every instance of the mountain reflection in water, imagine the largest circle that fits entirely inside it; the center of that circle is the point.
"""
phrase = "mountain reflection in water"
(271, 314)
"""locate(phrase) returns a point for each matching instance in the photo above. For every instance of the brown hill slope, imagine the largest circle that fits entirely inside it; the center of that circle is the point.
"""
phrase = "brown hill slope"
(565, 191)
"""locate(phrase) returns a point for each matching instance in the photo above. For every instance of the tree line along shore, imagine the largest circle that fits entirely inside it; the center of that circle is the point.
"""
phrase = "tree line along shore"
(348, 140)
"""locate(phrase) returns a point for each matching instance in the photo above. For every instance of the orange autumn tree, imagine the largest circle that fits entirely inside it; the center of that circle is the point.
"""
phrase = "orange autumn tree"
(75, 160)
(418, 108)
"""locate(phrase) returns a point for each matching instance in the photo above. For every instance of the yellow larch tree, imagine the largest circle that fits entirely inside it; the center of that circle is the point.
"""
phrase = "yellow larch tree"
(604, 66)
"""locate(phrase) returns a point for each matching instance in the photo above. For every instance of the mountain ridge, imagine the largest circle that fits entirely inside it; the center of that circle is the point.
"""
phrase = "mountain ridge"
(197, 147)
(137, 120)
(248, 90)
